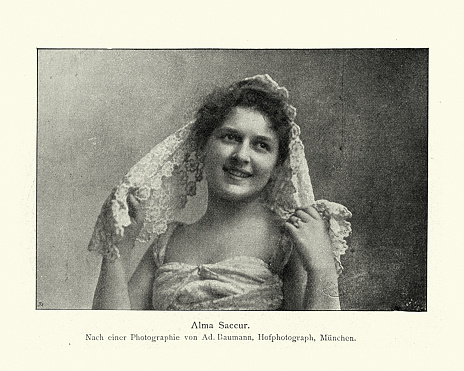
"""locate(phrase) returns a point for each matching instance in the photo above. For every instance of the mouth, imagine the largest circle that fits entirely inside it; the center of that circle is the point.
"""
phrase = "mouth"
(238, 173)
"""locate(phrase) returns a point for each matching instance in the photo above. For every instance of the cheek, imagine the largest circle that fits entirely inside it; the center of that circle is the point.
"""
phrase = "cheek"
(214, 149)
(267, 166)
(213, 159)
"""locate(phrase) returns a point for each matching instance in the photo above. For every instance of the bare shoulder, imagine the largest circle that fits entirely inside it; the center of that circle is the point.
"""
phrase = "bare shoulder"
(273, 224)
(255, 235)
(267, 232)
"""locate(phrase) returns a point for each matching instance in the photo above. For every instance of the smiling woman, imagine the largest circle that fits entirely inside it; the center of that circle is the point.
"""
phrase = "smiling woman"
(241, 155)
(263, 242)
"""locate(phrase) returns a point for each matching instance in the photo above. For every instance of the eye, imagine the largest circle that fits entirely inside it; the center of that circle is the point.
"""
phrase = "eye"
(228, 137)
(263, 146)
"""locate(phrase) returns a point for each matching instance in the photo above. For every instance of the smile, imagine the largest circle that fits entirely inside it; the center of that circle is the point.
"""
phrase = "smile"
(237, 173)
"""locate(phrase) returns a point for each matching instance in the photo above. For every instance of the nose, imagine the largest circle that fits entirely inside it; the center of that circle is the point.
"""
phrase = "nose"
(242, 153)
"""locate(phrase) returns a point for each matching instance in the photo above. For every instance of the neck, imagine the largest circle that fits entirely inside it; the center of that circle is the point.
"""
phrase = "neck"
(222, 210)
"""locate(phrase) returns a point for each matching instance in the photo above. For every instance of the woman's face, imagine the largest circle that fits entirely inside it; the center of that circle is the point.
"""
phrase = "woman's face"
(241, 155)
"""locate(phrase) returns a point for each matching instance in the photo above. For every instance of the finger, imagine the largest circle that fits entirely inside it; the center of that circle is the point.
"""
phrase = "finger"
(313, 212)
(133, 205)
(133, 191)
(295, 221)
(303, 215)
(132, 200)
(291, 227)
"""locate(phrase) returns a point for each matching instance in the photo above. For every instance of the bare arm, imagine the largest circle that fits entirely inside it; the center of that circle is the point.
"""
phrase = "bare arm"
(141, 283)
(310, 277)
(294, 284)
(113, 289)
(322, 290)
(313, 290)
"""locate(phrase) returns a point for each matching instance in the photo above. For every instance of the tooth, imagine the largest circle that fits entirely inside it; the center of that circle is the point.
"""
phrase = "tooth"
(238, 173)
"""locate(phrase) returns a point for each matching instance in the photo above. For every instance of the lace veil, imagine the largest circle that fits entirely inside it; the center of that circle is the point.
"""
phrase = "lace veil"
(168, 178)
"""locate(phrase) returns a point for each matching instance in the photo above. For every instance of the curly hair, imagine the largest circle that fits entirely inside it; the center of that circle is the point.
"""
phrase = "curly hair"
(257, 94)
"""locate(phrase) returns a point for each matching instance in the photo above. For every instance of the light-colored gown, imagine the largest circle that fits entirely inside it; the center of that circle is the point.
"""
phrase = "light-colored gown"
(238, 283)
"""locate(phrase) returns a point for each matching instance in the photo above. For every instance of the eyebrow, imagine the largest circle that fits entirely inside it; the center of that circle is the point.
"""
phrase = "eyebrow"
(235, 131)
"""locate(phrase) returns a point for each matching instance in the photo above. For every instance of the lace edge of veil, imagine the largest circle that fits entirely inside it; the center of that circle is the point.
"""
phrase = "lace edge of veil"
(163, 162)
(339, 228)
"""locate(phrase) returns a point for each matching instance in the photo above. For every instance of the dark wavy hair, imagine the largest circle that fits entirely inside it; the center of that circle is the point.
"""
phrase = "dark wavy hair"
(250, 93)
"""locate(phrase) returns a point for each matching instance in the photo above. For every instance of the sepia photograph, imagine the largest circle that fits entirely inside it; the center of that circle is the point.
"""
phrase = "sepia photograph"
(232, 179)
(241, 186)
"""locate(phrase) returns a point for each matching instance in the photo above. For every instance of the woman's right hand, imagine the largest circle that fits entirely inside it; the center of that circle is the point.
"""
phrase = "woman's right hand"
(137, 216)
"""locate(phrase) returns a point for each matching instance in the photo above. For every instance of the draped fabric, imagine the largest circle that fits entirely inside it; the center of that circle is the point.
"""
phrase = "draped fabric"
(166, 179)
(238, 283)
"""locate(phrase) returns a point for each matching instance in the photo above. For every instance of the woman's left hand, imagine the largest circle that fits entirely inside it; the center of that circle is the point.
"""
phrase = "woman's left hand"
(310, 233)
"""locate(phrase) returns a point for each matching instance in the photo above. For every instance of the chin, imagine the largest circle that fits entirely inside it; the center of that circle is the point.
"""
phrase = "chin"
(237, 195)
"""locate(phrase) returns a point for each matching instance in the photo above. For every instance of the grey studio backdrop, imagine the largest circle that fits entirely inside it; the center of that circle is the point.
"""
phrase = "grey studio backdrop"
(363, 115)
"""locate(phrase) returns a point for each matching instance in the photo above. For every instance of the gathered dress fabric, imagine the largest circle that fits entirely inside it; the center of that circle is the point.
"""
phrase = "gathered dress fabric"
(237, 283)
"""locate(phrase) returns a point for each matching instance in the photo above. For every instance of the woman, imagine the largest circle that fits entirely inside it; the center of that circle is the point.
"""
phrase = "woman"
(262, 243)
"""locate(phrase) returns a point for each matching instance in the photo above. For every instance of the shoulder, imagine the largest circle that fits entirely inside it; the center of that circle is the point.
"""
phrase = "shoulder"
(279, 242)
(283, 243)
(160, 243)
(270, 223)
